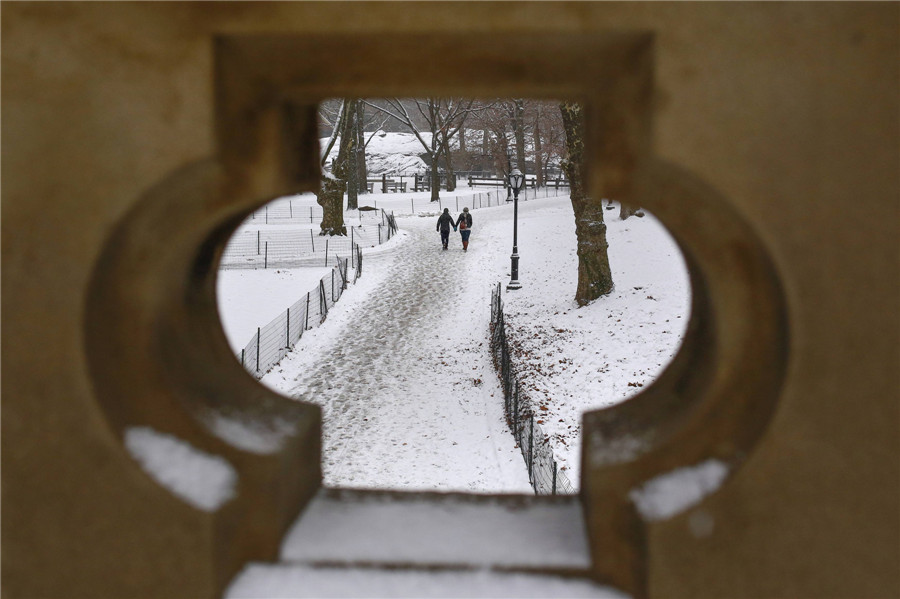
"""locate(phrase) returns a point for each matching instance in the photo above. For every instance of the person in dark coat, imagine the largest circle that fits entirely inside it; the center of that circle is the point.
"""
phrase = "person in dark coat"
(444, 223)
(464, 222)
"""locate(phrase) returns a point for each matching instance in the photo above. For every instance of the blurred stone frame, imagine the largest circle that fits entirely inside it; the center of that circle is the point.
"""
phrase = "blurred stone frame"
(712, 402)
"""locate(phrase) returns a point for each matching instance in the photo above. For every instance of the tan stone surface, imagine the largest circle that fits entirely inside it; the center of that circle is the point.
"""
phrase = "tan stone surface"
(788, 110)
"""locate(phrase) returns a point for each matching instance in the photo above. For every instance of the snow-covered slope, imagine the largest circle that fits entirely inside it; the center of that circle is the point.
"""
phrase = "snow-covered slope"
(390, 153)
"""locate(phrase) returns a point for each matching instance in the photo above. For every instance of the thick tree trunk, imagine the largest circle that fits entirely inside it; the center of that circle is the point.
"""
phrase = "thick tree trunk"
(349, 139)
(331, 199)
(331, 194)
(594, 275)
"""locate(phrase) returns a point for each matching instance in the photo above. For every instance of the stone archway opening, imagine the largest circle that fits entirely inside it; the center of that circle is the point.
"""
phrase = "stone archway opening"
(151, 311)
(403, 373)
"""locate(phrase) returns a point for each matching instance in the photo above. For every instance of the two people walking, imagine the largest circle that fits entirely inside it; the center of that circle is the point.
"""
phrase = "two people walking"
(463, 223)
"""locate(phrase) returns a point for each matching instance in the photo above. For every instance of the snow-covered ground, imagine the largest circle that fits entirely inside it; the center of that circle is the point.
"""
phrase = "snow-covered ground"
(569, 359)
(249, 299)
(403, 374)
(401, 366)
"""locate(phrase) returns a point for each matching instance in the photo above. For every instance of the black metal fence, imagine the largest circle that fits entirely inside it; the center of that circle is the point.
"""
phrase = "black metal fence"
(288, 248)
(274, 340)
(543, 471)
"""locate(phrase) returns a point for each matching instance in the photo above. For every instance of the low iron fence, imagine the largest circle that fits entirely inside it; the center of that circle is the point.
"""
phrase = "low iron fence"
(273, 341)
(283, 249)
(485, 199)
(290, 211)
(543, 471)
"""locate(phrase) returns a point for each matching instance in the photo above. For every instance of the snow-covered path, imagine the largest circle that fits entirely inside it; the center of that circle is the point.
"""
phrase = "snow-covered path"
(409, 397)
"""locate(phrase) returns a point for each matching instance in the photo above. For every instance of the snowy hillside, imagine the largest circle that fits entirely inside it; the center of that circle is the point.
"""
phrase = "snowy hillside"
(390, 153)
(394, 153)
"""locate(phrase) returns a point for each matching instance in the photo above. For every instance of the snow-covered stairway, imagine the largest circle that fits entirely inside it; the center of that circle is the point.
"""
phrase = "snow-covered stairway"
(374, 544)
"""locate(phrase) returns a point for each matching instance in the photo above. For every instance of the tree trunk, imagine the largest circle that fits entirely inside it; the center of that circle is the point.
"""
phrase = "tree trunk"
(350, 134)
(434, 111)
(361, 170)
(462, 140)
(448, 162)
(518, 123)
(538, 158)
(331, 199)
(435, 180)
(331, 194)
(594, 275)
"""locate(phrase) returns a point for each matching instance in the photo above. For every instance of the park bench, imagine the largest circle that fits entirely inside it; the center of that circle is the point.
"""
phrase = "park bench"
(496, 182)
(386, 185)
(477, 181)
(423, 182)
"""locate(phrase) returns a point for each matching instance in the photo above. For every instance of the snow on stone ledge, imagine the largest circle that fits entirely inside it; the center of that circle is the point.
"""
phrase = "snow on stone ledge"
(671, 493)
(205, 481)
(254, 436)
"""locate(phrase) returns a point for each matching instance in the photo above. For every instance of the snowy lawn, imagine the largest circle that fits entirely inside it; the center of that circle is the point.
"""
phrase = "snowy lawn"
(569, 359)
(252, 298)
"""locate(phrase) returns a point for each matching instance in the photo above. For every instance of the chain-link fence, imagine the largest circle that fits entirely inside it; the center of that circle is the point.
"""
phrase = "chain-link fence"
(543, 471)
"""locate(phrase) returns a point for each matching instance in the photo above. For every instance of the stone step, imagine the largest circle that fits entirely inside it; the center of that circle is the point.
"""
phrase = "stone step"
(297, 581)
(366, 527)
(351, 543)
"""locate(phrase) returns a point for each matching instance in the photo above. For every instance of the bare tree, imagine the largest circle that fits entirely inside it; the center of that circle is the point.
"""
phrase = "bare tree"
(444, 118)
(594, 275)
(494, 120)
(366, 126)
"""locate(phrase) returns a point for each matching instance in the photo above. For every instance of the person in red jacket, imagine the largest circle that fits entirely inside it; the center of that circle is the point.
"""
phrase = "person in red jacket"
(464, 222)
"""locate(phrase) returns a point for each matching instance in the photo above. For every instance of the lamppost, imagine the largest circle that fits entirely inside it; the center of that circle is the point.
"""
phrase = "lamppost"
(516, 180)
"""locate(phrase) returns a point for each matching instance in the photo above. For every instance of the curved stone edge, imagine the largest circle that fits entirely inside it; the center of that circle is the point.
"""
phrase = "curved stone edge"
(713, 402)
(159, 360)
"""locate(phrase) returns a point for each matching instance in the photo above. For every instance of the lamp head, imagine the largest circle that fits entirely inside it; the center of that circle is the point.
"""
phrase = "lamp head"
(516, 179)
